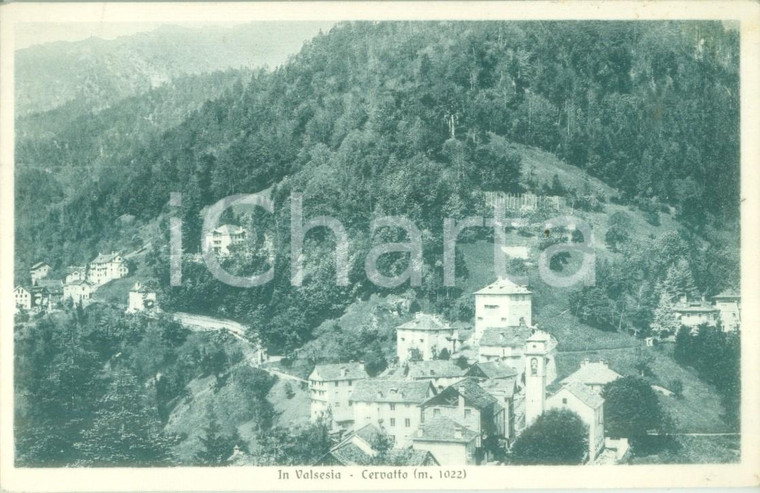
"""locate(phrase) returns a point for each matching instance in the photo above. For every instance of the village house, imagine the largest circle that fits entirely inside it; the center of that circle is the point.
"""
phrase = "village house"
(391, 405)
(79, 292)
(500, 381)
(695, 313)
(22, 298)
(501, 304)
(589, 406)
(75, 273)
(728, 304)
(106, 268)
(330, 387)
(469, 404)
(226, 235)
(594, 375)
(450, 442)
(358, 449)
(441, 373)
(507, 345)
(425, 333)
(141, 299)
(54, 289)
(38, 271)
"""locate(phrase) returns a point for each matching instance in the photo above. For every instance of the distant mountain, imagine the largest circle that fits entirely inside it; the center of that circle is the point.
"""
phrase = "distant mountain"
(94, 73)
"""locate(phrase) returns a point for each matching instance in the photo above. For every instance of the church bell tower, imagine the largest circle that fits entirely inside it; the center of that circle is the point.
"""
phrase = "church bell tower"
(535, 351)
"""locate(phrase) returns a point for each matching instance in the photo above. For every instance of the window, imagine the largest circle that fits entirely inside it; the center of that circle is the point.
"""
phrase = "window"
(350, 383)
(467, 413)
(491, 307)
(407, 422)
(393, 407)
(403, 339)
(337, 404)
(350, 403)
(336, 384)
(564, 400)
(503, 319)
(422, 340)
(436, 412)
(480, 318)
(393, 421)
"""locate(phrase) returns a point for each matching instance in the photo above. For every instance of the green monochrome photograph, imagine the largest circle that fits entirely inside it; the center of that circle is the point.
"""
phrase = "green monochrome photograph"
(322, 243)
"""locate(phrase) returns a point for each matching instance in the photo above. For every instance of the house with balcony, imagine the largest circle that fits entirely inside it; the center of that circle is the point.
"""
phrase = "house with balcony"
(330, 389)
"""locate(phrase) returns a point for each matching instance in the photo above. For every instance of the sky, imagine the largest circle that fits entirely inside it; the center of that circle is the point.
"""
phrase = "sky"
(39, 33)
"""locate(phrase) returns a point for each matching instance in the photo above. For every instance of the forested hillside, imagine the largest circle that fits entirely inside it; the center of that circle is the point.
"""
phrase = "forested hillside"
(94, 73)
(417, 119)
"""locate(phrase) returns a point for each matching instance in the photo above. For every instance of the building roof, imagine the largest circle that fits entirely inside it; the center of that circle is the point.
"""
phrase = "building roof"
(21, 287)
(434, 369)
(39, 265)
(584, 394)
(349, 453)
(593, 373)
(396, 391)
(368, 433)
(229, 229)
(491, 370)
(444, 429)
(504, 286)
(52, 285)
(474, 395)
(75, 268)
(105, 258)
(727, 294)
(339, 371)
(694, 307)
(501, 388)
(425, 321)
(513, 336)
(79, 283)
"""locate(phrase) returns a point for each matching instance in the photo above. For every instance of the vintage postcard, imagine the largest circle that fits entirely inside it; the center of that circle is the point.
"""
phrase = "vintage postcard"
(379, 246)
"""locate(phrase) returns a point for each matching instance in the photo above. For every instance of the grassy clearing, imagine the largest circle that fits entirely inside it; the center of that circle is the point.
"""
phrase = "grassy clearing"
(695, 450)
(294, 410)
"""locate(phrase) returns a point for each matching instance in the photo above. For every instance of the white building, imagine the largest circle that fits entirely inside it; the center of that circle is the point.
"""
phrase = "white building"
(695, 313)
(728, 304)
(106, 268)
(589, 406)
(220, 239)
(79, 292)
(330, 387)
(508, 345)
(502, 304)
(392, 405)
(38, 271)
(450, 442)
(22, 298)
(75, 273)
(593, 374)
(426, 333)
(141, 299)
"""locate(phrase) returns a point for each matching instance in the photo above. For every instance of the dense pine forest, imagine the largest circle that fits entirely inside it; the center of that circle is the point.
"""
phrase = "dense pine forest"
(370, 119)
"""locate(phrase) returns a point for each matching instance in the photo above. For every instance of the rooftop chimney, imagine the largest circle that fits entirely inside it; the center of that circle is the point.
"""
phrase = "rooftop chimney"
(457, 432)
